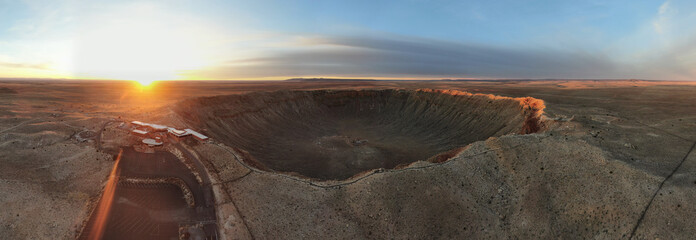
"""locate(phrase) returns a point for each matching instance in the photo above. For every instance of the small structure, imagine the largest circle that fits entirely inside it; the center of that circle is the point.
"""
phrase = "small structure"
(197, 135)
(149, 126)
(140, 133)
(152, 142)
(177, 133)
(158, 128)
(140, 124)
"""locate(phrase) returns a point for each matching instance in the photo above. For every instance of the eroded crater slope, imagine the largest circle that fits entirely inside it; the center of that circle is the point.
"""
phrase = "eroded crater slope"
(328, 134)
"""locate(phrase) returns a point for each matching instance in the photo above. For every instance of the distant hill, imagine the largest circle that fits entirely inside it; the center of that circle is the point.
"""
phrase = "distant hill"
(328, 80)
(452, 80)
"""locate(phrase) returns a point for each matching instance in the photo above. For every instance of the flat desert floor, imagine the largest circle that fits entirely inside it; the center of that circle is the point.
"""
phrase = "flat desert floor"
(616, 160)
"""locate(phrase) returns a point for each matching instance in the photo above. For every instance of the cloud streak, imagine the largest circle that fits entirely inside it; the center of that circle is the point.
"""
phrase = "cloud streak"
(403, 56)
(660, 23)
(25, 65)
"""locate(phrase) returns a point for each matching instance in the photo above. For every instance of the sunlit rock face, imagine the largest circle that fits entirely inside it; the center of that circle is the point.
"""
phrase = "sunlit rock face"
(333, 135)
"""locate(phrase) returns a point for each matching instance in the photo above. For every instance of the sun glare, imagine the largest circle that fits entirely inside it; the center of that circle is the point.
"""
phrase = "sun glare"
(144, 46)
(144, 83)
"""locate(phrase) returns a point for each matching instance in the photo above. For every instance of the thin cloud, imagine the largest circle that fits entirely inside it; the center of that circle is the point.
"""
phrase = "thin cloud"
(662, 20)
(40, 66)
(388, 57)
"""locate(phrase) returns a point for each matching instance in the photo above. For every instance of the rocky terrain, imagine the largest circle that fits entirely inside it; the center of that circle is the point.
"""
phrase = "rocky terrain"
(615, 159)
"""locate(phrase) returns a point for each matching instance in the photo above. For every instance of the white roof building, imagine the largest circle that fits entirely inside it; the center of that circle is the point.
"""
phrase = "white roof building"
(197, 134)
(139, 123)
(155, 127)
(138, 131)
(158, 127)
(177, 132)
(152, 142)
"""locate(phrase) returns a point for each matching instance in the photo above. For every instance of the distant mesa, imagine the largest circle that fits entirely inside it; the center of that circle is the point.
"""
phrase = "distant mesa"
(328, 80)
(334, 135)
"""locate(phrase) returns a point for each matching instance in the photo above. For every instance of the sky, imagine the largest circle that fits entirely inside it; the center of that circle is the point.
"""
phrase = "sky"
(411, 39)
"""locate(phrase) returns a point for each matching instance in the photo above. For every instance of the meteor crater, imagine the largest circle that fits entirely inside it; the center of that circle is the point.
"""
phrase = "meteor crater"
(336, 134)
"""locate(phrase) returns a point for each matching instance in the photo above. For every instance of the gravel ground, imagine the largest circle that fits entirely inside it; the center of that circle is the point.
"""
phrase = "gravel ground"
(618, 163)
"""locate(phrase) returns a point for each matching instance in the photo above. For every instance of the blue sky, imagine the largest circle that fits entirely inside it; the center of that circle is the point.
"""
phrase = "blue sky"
(416, 39)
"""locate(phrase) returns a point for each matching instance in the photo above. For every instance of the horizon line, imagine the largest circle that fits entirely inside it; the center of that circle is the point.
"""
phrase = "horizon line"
(350, 79)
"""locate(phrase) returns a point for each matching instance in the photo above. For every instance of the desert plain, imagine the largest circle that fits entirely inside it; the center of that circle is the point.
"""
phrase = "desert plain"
(343, 159)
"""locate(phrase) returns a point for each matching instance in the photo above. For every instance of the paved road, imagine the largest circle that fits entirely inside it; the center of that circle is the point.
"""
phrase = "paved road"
(206, 184)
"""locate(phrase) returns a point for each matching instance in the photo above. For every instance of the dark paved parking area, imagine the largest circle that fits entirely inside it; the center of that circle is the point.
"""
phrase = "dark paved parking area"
(155, 211)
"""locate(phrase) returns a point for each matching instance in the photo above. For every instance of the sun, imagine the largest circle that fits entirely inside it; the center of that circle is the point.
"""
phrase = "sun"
(144, 82)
